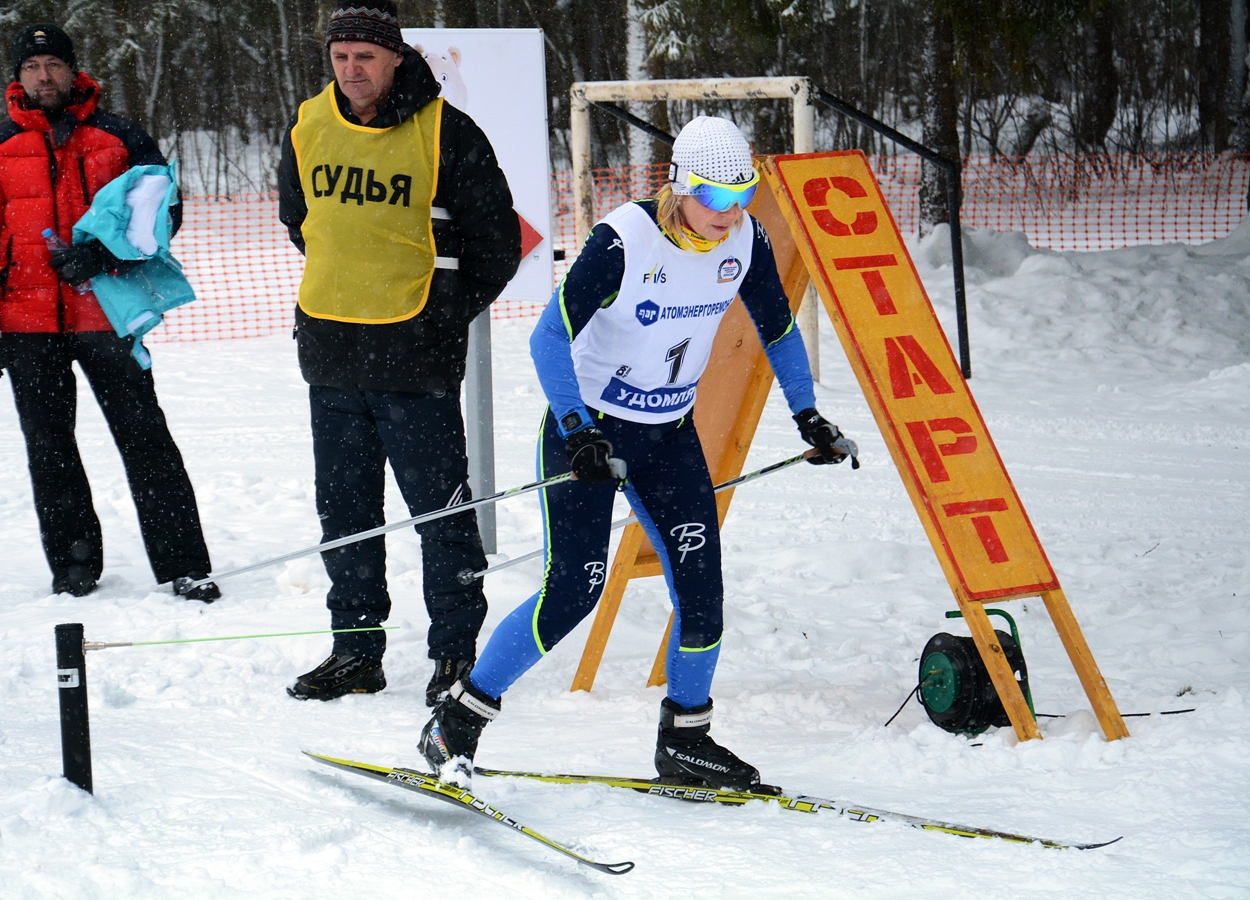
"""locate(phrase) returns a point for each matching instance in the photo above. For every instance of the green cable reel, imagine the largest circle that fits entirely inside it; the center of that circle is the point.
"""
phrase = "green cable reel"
(955, 687)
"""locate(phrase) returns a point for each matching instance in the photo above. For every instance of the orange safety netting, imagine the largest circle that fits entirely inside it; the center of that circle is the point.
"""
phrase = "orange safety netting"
(246, 273)
(1086, 202)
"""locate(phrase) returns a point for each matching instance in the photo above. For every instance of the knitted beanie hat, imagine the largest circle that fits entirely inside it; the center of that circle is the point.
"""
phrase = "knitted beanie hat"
(372, 21)
(712, 148)
(39, 40)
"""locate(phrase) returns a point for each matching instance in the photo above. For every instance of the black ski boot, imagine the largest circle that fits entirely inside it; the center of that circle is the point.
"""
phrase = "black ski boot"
(684, 754)
(449, 739)
(340, 675)
(446, 673)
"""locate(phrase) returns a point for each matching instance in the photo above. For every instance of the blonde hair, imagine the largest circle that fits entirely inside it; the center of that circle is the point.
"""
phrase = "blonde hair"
(668, 211)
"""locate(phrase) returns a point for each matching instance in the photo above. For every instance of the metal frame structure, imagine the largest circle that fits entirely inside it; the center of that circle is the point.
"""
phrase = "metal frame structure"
(585, 94)
(802, 92)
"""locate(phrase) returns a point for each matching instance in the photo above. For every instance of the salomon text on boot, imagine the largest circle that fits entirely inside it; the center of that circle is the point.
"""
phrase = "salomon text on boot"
(449, 739)
(685, 754)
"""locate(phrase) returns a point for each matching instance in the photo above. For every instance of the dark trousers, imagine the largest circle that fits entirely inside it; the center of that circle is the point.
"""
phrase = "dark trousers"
(46, 394)
(670, 491)
(355, 433)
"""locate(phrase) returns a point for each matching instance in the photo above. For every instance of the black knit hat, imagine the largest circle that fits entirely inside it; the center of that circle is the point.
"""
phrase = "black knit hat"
(372, 21)
(40, 39)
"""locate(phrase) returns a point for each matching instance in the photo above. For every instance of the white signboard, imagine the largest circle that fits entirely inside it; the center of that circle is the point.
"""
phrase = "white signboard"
(499, 77)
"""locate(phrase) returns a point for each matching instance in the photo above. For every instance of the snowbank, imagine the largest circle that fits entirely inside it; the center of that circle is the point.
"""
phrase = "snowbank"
(1116, 385)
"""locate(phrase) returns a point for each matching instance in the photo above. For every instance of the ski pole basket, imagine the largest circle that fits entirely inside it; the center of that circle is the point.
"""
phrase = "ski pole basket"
(954, 686)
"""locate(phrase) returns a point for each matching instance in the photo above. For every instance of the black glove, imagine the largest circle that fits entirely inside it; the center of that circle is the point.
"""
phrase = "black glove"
(825, 437)
(589, 451)
(83, 262)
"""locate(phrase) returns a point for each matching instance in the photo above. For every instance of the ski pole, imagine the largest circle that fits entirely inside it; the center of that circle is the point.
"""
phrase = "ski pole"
(467, 576)
(105, 645)
(182, 585)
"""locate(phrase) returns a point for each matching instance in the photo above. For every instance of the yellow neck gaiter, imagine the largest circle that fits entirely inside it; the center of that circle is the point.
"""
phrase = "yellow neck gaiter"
(689, 240)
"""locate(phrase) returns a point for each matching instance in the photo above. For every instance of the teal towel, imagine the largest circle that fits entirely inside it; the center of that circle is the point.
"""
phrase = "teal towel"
(130, 217)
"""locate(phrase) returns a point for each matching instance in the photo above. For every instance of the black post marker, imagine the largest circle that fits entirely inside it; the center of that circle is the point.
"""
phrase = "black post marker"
(71, 677)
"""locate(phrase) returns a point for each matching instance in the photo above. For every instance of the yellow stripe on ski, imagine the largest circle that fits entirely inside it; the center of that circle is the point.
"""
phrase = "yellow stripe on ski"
(427, 784)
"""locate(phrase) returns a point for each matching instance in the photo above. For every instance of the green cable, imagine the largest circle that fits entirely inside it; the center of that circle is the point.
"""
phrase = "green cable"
(97, 645)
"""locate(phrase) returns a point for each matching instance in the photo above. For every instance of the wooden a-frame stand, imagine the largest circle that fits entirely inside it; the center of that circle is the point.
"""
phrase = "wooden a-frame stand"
(830, 227)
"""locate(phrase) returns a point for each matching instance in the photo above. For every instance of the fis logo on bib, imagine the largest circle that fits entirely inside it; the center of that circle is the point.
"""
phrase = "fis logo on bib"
(648, 312)
(728, 270)
(655, 276)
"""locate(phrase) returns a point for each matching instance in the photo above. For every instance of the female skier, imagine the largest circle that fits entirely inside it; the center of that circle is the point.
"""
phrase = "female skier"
(619, 351)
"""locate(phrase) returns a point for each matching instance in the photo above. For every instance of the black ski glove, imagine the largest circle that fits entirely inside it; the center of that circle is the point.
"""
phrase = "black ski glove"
(83, 262)
(822, 434)
(589, 451)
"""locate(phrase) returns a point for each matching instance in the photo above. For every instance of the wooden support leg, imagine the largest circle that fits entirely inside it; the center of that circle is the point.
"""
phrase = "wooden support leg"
(1086, 668)
(1000, 670)
(659, 671)
(609, 603)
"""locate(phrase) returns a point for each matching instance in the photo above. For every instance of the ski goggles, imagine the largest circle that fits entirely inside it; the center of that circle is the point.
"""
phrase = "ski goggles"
(715, 196)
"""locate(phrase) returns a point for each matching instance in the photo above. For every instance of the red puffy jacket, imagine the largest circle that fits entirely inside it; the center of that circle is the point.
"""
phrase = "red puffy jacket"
(48, 178)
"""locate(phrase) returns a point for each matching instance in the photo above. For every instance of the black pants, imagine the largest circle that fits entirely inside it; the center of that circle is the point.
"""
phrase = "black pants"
(354, 434)
(46, 394)
(670, 491)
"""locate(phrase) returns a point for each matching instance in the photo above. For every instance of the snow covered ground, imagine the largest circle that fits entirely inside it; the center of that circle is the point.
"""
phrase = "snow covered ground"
(1117, 386)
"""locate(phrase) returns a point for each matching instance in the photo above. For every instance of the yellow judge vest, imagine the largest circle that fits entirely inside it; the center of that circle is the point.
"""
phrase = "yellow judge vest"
(368, 236)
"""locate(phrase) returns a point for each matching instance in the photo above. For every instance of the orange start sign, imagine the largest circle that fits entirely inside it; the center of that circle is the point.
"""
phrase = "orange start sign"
(940, 444)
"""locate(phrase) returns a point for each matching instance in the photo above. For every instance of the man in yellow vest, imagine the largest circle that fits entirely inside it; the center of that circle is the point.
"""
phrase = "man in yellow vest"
(406, 220)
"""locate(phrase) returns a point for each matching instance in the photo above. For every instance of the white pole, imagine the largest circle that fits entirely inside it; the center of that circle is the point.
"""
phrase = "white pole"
(579, 149)
(763, 88)
(479, 425)
(636, 70)
(805, 142)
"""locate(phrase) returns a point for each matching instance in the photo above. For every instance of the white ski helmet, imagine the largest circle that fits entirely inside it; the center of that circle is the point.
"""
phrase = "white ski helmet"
(712, 148)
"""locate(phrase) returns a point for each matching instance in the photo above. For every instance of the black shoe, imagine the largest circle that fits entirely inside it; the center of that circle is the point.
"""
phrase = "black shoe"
(340, 675)
(446, 673)
(205, 592)
(685, 754)
(449, 739)
(79, 584)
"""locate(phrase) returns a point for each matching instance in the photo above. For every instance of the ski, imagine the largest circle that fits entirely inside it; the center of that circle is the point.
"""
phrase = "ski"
(795, 802)
(429, 786)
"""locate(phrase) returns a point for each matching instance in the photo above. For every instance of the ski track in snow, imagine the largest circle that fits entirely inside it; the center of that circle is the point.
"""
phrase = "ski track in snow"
(1117, 388)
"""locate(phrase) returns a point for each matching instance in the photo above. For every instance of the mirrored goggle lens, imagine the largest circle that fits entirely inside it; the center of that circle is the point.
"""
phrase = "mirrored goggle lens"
(720, 197)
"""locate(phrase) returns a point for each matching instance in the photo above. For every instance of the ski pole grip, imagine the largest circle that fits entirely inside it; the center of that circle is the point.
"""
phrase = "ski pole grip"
(71, 678)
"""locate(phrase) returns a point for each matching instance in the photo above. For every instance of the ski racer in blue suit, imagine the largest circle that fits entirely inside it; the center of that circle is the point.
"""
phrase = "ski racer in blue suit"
(619, 351)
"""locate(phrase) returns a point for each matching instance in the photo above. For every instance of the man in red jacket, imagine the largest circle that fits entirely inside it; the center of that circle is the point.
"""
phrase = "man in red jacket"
(56, 151)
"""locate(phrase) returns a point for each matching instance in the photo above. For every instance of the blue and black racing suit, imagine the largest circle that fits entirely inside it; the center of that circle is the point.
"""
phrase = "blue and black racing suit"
(668, 488)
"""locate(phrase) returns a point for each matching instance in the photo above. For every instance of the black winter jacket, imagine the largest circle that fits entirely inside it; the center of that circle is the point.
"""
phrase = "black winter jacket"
(424, 354)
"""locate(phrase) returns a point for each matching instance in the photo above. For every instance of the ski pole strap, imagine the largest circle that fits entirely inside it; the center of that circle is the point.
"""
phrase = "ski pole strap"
(452, 510)
(461, 694)
(692, 720)
(468, 576)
